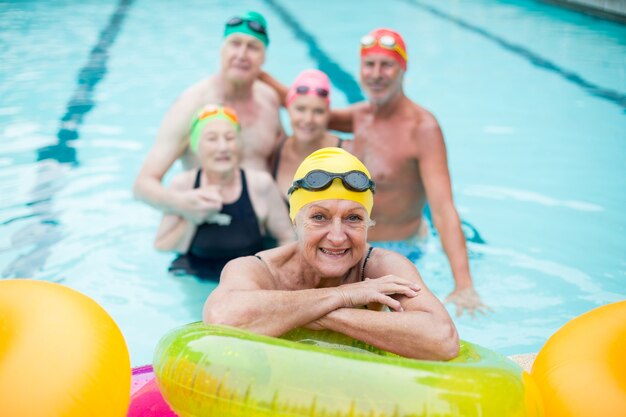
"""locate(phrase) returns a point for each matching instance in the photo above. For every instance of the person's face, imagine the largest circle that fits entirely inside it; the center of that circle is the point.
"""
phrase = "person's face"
(218, 146)
(242, 57)
(309, 117)
(381, 78)
(332, 235)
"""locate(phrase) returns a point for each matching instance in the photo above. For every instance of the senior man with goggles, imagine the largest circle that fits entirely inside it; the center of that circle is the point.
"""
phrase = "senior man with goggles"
(402, 144)
(330, 278)
(235, 85)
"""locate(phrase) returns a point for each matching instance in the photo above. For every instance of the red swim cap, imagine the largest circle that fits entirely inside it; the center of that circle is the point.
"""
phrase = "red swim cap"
(385, 42)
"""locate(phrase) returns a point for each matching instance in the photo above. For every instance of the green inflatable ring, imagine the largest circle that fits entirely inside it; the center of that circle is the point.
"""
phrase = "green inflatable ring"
(206, 370)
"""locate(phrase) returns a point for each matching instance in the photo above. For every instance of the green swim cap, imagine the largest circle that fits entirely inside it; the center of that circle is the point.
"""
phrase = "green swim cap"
(204, 116)
(249, 23)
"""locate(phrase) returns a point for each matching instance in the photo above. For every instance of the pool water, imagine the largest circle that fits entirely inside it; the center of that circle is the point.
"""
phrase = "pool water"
(531, 99)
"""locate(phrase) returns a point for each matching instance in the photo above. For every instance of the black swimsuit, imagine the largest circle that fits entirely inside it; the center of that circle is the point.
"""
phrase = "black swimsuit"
(214, 244)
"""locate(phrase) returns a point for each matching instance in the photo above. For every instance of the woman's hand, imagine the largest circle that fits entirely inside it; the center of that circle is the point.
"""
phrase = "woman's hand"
(200, 204)
(379, 290)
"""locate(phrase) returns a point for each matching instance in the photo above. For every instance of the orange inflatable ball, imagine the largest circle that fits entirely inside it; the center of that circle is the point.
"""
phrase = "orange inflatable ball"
(61, 354)
(581, 370)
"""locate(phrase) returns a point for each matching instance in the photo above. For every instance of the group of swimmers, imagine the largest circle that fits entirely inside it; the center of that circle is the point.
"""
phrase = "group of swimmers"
(247, 187)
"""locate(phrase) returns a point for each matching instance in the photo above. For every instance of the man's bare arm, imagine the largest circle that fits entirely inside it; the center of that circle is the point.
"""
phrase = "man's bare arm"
(342, 120)
(170, 144)
(280, 89)
(433, 165)
(434, 172)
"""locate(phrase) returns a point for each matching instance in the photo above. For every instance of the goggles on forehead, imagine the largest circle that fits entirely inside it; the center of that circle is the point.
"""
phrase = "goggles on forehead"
(252, 24)
(385, 41)
(318, 180)
(304, 89)
(212, 111)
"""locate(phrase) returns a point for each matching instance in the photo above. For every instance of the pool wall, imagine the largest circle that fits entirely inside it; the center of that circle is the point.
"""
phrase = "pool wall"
(606, 9)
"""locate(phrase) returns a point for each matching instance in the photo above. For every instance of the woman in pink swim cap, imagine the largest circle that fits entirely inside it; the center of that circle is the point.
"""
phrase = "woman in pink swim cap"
(308, 104)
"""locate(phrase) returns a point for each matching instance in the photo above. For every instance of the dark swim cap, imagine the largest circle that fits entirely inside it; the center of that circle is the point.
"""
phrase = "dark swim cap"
(249, 23)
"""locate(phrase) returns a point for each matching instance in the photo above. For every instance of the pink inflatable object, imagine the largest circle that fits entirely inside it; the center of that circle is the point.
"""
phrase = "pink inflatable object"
(145, 398)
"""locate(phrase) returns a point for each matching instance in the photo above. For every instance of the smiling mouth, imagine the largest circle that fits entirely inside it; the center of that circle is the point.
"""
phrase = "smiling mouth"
(377, 86)
(334, 252)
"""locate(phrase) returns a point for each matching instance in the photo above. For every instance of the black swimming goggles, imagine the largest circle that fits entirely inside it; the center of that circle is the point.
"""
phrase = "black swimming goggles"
(318, 180)
(252, 24)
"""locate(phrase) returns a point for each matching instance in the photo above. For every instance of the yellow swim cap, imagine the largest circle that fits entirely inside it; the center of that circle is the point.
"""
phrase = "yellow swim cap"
(332, 160)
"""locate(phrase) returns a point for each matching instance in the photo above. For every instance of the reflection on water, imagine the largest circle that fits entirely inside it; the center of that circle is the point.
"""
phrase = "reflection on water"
(500, 193)
(42, 229)
(50, 175)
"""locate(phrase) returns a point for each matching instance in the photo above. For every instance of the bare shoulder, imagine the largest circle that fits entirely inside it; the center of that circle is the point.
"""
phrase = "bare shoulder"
(362, 107)
(266, 94)
(280, 266)
(183, 180)
(423, 118)
(248, 272)
(176, 121)
(194, 94)
(264, 271)
(386, 262)
(426, 129)
(258, 180)
(353, 111)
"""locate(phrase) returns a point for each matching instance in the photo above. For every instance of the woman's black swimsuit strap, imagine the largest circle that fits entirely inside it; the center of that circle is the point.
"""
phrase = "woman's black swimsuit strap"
(279, 152)
(196, 183)
(367, 257)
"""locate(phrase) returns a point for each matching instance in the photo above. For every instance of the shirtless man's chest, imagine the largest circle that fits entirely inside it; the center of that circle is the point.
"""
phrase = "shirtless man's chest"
(390, 151)
(260, 126)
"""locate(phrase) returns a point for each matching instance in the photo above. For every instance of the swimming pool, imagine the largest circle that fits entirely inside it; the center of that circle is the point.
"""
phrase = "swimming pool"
(531, 98)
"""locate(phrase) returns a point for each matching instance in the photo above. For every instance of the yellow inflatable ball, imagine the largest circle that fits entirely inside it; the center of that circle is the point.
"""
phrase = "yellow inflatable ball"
(581, 370)
(61, 354)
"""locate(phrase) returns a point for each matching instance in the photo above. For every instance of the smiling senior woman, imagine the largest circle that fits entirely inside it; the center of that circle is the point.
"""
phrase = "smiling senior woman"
(331, 278)
(242, 205)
